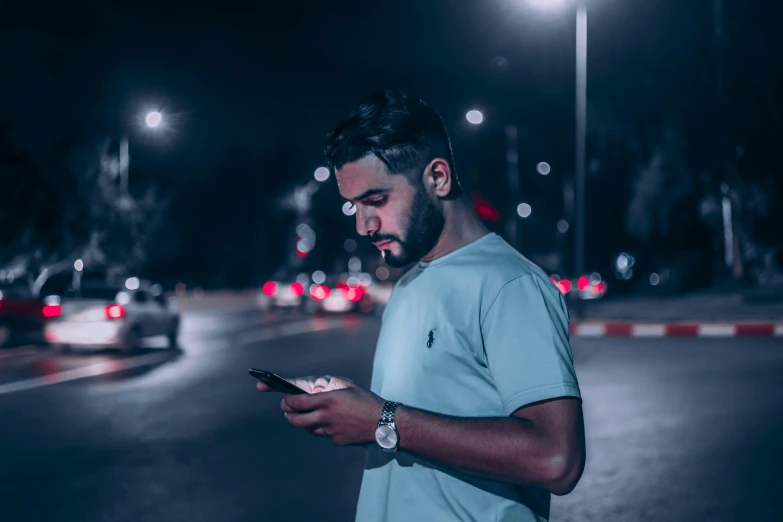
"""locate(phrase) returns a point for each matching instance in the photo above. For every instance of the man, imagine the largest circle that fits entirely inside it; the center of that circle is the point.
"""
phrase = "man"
(475, 411)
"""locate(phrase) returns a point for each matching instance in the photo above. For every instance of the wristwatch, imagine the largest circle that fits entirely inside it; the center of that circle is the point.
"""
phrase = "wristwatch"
(386, 434)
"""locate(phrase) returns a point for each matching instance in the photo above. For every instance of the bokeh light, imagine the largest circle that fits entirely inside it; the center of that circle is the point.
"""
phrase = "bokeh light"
(474, 116)
(382, 273)
(524, 210)
(321, 174)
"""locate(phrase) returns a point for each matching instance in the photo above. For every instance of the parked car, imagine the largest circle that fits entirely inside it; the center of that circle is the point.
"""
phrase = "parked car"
(22, 315)
(111, 316)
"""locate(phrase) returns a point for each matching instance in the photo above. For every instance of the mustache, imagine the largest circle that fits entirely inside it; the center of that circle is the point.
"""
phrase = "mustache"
(377, 238)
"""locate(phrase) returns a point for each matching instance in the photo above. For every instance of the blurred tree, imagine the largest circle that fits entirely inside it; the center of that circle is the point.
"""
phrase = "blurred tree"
(47, 221)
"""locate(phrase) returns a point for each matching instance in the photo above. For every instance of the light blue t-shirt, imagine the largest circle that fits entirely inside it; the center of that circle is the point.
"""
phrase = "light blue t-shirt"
(479, 332)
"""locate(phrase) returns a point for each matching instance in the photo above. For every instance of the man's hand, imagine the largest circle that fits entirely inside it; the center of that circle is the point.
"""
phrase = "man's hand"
(336, 408)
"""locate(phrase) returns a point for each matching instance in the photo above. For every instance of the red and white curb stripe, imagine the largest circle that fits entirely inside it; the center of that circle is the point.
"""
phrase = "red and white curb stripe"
(708, 329)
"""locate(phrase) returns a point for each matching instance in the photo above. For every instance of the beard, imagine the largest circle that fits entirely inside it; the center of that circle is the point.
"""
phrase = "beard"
(421, 232)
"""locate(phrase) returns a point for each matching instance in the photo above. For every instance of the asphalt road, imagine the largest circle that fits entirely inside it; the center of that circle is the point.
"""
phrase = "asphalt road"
(678, 429)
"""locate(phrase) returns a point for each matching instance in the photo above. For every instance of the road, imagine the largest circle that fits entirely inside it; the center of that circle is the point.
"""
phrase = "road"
(678, 429)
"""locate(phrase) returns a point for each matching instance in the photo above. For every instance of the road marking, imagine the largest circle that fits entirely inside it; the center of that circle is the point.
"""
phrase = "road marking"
(118, 365)
(93, 370)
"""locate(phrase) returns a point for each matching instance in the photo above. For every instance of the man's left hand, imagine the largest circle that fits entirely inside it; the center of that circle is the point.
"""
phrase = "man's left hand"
(348, 415)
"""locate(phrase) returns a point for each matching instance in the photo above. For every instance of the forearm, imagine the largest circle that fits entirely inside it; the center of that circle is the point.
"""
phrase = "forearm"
(507, 449)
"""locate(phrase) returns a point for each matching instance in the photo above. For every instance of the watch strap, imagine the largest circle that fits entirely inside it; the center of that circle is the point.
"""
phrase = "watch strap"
(387, 414)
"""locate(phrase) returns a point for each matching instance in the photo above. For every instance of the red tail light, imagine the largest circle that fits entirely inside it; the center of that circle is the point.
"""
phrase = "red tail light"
(320, 292)
(50, 311)
(582, 283)
(270, 288)
(297, 288)
(353, 294)
(115, 312)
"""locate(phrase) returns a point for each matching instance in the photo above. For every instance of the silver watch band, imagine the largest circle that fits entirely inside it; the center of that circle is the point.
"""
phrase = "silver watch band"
(387, 414)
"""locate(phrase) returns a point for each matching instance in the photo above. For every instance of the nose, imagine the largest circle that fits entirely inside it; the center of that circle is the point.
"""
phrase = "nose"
(367, 223)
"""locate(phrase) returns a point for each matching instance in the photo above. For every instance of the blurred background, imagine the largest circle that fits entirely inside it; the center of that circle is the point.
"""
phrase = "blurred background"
(162, 181)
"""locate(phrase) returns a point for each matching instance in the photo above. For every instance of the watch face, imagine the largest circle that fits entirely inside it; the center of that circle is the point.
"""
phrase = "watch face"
(386, 436)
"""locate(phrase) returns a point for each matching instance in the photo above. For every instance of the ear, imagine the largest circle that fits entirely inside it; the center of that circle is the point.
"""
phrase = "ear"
(438, 177)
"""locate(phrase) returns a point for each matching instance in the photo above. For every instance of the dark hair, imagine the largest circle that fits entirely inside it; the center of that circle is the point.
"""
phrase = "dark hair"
(398, 128)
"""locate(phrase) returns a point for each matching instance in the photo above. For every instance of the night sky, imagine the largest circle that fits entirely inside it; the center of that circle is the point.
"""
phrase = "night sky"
(249, 92)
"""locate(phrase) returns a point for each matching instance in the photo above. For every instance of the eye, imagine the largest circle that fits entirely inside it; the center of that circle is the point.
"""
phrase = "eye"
(377, 202)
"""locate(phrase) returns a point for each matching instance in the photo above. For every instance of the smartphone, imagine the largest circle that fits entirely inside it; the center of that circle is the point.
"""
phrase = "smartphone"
(275, 382)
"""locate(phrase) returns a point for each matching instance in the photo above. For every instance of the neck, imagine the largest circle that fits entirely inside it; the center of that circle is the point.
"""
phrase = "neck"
(462, 227)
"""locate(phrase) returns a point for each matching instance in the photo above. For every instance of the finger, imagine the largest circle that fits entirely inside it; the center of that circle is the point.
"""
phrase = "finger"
(307, 421)
(329, 383)
(304, 383)
(340, 383)
(307, 402)
(320, 431)
(321, 384)
(263, 387)
(285, 407)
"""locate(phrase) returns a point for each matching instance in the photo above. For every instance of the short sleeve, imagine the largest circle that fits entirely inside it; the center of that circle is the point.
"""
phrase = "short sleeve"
(525, 335)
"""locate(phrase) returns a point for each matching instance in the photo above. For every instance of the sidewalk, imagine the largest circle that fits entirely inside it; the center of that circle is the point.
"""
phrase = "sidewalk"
(710, 314)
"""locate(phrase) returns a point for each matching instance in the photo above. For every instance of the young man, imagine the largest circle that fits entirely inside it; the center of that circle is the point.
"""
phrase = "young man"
(475, 411)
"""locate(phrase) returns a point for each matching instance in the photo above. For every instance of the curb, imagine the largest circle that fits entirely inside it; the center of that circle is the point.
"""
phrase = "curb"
(689, 329)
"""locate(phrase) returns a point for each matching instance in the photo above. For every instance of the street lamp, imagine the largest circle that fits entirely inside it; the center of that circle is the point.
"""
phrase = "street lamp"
(581, 121)
(153, 120)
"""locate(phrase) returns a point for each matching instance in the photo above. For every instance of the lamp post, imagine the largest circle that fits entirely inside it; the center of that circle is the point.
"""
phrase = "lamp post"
(152, 120)
(580, 215)
(581, 133)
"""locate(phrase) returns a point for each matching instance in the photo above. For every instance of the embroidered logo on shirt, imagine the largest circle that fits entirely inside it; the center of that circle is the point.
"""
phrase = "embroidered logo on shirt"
(431, 338)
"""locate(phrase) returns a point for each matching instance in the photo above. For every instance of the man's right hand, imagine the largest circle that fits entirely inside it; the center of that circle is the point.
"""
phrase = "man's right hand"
(314, 384)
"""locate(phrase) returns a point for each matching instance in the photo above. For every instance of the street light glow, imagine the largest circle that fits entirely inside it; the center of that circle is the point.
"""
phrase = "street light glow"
(153, 119)
(474, 116)
(546, 4)
(543, 168)
(524, 210)
(78, 265)
(321, 174)
(349, 209)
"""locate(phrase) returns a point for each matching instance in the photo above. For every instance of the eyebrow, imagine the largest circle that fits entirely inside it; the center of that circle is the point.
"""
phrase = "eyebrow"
(366, 194)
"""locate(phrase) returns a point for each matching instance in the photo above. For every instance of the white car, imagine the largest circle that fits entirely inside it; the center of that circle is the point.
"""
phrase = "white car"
(111, 317)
